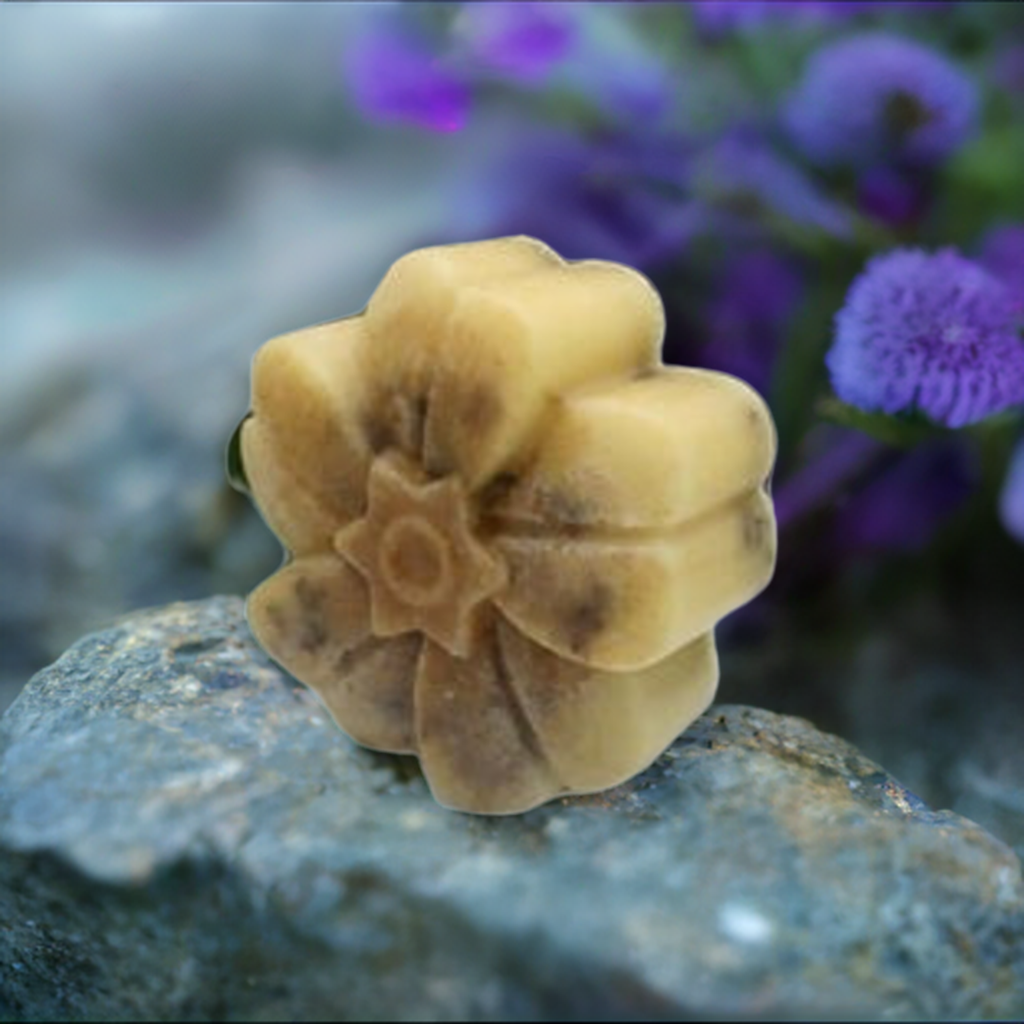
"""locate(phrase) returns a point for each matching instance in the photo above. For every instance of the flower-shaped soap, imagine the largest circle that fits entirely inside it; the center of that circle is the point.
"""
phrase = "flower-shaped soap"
(511, 528)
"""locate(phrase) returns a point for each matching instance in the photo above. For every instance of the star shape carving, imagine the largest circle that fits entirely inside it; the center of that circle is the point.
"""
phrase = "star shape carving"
(416, 548)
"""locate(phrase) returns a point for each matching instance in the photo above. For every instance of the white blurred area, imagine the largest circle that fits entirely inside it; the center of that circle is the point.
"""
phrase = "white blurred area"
(165, 163)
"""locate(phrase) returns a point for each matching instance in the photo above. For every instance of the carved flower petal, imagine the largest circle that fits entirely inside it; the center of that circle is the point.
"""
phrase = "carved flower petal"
(519, 344)
(478, 751)
(517, 725)
(623, 602)
(303, 519)
(414, 300)
(407, 319)
(309, 613)
(650, 453)
(471, 343)
(313, 617)
(371, 696)
(601, 728)
(302, 445)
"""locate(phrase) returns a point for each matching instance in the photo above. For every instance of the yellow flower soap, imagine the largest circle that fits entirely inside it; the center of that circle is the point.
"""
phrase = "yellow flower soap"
(510, 528)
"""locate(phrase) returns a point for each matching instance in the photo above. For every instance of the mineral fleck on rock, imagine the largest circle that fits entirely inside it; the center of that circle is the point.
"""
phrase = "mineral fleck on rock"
(185, 834)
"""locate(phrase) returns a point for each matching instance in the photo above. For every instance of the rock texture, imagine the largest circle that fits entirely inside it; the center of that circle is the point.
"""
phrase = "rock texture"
(932, 690)
(184, 834)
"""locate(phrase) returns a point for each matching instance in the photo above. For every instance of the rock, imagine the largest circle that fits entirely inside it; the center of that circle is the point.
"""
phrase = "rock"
(932, 690)
(184, 834)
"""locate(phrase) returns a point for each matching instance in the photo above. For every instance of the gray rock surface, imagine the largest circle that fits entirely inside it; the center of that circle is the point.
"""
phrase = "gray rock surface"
(184, 834)
(932, 691)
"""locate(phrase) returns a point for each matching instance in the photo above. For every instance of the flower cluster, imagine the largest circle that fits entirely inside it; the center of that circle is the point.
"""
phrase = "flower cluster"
(764, 159)
(609, 197)
(400, 70)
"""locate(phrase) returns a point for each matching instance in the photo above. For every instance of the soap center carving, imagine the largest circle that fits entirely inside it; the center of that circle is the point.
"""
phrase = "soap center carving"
(417, 549)
(415, 560)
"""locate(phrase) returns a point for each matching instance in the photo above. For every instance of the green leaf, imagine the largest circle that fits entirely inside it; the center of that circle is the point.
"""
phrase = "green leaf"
(982, 185)
(901, 431)
(233, 463)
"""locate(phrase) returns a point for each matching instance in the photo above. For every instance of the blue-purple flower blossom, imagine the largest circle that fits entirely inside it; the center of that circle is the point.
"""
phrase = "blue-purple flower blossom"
(892, 195)
(615, 197)
(716, 18)
(522, 41)
(616, 67)
(757, 294)
(876, 97)
(397, 71)
(745, 175)
(1011, 502)
(841, 456)
(1002, 254)
(1009, 68)
(394, 75)
(932, 332)
(903, 507)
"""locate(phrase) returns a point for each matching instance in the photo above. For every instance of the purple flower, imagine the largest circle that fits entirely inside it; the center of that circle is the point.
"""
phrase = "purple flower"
(626, 90)
(393, 75)
(745, 175)
(1009, 68)
(1011, 502)
(1002, 254)
(902, 508)
(875, 97)
(933, 332)
(521, 40)
(594, 50)
(716, 18)
(617, 67)
(602, 199)
(841, 456)
(757, 294)
(892, 195)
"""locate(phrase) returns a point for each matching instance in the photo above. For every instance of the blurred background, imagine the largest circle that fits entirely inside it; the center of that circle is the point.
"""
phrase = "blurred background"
(179, 183)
